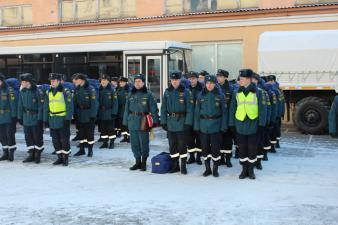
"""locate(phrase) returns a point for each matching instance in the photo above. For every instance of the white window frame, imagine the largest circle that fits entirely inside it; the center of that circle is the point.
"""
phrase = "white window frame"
(215, 45)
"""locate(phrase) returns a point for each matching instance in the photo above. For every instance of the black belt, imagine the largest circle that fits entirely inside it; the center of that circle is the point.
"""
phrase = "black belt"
(176, 114)
(138, 113)
(30, 111)
(105, 108)
(2, 111)
(55, 113)
(83, 107)
(210, 117)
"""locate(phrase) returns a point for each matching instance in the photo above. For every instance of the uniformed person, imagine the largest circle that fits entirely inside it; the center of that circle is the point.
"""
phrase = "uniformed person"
(226, 147)
(177, 120)
(122, 93)
(114, 82)
(333, 115)
(210, 120)
(194, 143)
(108, 109)
(201, 76)
(140, 104)
(8, 118)
(58, 112)
(85, 106)
(248, 116)
(30, 115)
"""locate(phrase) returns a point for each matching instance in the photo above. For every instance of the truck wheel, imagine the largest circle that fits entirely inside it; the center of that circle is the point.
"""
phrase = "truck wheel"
(310, 115)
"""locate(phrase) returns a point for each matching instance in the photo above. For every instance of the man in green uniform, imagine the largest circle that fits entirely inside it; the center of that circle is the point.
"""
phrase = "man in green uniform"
(58, 112)
(85, 104)
(140, 103)
(177, 120)
(211, 119)
(248, 116)
(30, 115)
(8, 117)
(108, 107)
(122, 94)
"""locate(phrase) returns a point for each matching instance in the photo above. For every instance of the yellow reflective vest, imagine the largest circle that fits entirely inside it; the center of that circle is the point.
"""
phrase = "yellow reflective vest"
(246, 106)
(57, 104)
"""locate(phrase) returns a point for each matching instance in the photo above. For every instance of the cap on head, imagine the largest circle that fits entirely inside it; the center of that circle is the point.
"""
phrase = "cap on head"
(139, 76)
(123, 79)
(26, 77)
(104, 77)
(176, 75)
(203, 73)
(270, 78)
(246, 73)
(210, 78)
(221, 72)
(80, 76)
(192, 74)
(256, 76)
(55, 76)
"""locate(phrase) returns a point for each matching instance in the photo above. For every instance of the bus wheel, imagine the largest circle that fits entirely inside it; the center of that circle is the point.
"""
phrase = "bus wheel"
(310, 115)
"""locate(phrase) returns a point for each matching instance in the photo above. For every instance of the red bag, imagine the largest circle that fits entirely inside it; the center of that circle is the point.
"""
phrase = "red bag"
(150, 121)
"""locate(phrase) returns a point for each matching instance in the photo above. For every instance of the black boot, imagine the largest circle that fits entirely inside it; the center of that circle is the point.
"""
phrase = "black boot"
(76, 138)
(251, 173)
(100, 139)
(59, 160)
(215, 169)
(5, 155)
(277, 144)
(37, 156)
(105, 144)
(90, 150)
(259, 164)
(174, 166)
(198, 158)
(137, 164)
(228, 160)
(125, 139)
(112, 144)
(30, 157)
(184, 166)
(244, 172)
(81, 151)
(207, 171)
(222, 161)
(54, 153)
(144, 163)
(11, 155)
(265, 156)
(65, 159)
(237, 153)
(191, 158)
(273, 149)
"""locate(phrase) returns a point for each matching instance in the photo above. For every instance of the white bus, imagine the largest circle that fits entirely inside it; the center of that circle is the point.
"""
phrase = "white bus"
(155, 59)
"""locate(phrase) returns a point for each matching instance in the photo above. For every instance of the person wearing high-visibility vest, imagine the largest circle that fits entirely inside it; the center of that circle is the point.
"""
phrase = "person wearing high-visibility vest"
(248, 116)
(58, 112)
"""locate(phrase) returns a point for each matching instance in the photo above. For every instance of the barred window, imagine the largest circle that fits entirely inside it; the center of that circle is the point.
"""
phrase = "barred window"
(16, 15)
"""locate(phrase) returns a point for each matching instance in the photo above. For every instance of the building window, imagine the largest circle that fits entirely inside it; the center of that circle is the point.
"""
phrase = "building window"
(210, 57)
(16, 15)
(77, 10)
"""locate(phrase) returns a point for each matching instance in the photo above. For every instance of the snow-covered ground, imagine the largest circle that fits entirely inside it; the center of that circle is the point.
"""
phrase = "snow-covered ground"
(298, 185)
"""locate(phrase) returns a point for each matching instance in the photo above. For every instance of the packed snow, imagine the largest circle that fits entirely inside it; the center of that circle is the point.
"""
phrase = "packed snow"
(298, 185)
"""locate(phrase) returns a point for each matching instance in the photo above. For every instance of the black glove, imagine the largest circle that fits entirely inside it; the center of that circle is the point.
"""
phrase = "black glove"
(46, 124)
(66, 123)
(165, 127)
(20, 122)
(40, 123)
(14, 120)
(333, 135)
(187, 127)
(260, 129)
